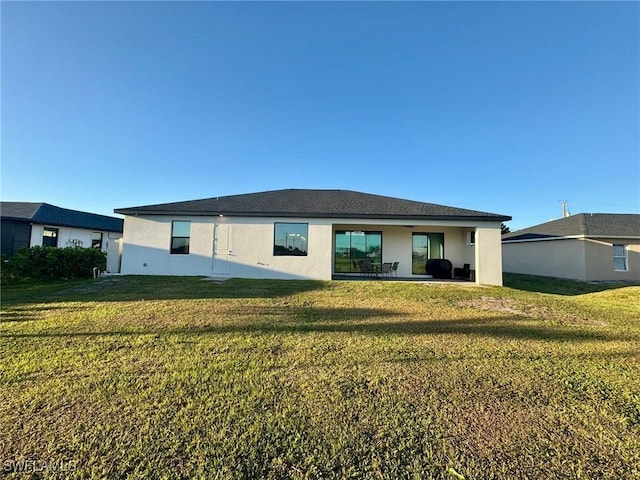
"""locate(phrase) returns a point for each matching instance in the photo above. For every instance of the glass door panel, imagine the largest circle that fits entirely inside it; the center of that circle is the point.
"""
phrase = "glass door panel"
(374, 248)
(424, 247)
(351, 247)
(419, 254)
(436, 245)
(343, 252)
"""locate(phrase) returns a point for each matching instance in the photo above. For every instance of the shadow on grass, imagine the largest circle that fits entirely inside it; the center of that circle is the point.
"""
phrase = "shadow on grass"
(559, 286)
(354, 322)
(139, 288)
(24, 314)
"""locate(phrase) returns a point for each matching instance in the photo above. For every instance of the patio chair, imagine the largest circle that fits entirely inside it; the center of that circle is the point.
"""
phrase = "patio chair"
(386, 269)
(464, 272)
(366, 268)
(394, 269)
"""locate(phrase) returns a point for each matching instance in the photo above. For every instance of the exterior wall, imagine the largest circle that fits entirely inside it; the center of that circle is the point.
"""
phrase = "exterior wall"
(248, 252)
(251, 252)
(67, 235)
(550, 258)
(599, 260)
(575, 258)
(243, 247)
(488, 255)
(147, 242)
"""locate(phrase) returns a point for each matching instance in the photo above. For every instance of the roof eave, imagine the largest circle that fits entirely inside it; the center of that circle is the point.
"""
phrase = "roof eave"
(18, 219)
(76, 225)
(210, 213)
(542, 238)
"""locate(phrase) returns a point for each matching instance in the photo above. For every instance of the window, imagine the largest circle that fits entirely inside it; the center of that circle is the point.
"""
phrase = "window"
(472, 237)
(180, 233)
(620, 261)
(50, 237)
(290, 239)
(425, 246)
(351, 247)
(96, 240)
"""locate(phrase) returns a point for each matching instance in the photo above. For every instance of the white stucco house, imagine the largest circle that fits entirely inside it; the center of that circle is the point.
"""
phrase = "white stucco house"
(307, 234)
(586, 246)
(27, 224)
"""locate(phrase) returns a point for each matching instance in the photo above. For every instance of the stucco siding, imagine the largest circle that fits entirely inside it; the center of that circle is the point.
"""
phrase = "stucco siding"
(599, 260)
(243, 247)
(574, 258)
(488, 256)
(68, 237)
(550, 258)
(147, 241)
(251, 253)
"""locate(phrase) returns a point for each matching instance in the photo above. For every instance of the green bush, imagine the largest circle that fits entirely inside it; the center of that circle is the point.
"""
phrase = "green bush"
(51, 262)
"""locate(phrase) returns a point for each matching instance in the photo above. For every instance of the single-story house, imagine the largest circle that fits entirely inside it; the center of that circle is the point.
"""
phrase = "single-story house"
(27, 224)
(307, 234)
(587, 247)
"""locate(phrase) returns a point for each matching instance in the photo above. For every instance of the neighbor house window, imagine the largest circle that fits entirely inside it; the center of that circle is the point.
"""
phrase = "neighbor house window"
(96, 240)
(50, 237)
(290, 239)
(180, 234)
(620, 260)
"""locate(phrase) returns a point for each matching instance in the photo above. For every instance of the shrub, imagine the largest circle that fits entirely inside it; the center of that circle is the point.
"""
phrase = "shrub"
(51, 262)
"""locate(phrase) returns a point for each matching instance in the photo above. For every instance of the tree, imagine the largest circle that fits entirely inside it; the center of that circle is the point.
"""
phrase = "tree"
(504, 229)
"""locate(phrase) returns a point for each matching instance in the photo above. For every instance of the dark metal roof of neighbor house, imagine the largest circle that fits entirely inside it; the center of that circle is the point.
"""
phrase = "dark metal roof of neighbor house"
(598, 225)
(46, 214)
(301, 203)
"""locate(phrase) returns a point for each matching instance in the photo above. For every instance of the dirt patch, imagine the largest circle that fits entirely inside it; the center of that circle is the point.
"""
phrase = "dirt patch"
(507, 305)
(493, 304)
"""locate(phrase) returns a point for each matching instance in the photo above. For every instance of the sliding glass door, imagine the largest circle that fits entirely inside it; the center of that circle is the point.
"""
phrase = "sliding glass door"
(353, 246)
(425, 246)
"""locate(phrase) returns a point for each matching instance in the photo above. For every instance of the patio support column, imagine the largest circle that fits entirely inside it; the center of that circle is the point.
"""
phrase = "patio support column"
(489, 256)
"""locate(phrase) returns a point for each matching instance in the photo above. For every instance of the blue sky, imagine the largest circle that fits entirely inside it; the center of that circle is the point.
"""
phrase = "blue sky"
(506, 107)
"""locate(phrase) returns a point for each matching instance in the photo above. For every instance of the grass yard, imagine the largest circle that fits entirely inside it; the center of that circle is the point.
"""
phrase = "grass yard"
(168, 377)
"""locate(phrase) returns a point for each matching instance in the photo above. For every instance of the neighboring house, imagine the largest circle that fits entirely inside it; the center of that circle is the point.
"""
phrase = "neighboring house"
(307, 234)
(588, 247)
(26, 224)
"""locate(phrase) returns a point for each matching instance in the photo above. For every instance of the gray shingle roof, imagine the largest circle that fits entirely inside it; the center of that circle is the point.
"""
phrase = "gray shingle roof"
(46, 214)
(314, 204)
(583, 224)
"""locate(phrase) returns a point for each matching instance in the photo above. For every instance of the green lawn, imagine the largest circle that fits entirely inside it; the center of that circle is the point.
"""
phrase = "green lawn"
(167, 377)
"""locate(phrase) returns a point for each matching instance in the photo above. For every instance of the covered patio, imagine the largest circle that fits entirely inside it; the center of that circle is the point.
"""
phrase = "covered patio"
(418, 252)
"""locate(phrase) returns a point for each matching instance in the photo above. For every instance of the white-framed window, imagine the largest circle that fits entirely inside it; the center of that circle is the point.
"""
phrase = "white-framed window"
(620, 259)
(471, 237)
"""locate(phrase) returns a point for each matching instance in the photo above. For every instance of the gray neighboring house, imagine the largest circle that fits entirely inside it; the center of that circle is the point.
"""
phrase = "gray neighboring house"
(587, 246)
(27, 224)
(307, 234)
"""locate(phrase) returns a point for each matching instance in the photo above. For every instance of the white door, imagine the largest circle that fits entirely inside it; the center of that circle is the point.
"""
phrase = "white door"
(113, 255)
(221, 265)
